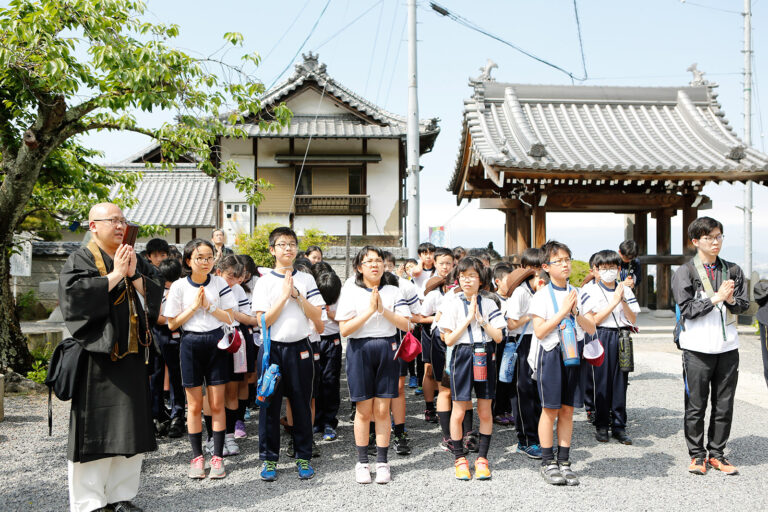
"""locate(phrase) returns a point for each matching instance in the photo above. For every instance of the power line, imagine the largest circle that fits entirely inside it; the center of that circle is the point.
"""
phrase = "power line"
(373, 50)
(293, 59)
(394, 66)
(345, 27)
(386, 53)
(472, 26)
(695, 4)
(581, 43)
(295, 19)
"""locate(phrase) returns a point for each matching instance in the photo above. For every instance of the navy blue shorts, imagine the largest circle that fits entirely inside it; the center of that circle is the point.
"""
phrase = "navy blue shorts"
(426, 344)
(318, 370)
(462, 372)
(372, 370)
(403, 364)
(557, 384)
(438, 356)
(202, 361)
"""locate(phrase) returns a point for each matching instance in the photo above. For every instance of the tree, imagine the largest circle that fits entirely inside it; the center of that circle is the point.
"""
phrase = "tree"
(69, 67)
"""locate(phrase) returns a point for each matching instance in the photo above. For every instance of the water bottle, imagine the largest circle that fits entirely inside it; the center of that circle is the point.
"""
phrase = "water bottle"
(568, 344)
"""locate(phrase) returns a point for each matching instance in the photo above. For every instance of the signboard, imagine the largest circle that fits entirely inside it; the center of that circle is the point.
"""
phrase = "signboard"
(21, 260)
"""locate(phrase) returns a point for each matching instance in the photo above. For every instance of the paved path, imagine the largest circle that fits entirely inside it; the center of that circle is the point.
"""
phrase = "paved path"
(651, 475)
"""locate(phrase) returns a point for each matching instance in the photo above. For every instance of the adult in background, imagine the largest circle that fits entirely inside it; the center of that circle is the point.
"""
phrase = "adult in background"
(761, 296)
(110, 423)
(219, 240)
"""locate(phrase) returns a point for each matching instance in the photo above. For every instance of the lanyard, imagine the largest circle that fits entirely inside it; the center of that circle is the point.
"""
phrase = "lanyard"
(709, 290)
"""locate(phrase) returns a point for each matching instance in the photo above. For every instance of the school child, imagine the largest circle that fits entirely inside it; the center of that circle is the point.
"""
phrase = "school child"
(421, 273)
(709, 293)
(519, 324)
(168, 343)
(156, 251)
(481, 254)
(201, 304)
(411, 295)
(558, 385)
(506, 398)
(314, 254)
(615, 308)
(369, 313)
(459, 253)
(329, 398)
(430, 310)
(587, 378)
(472, 325)
(415, 367)
(629, 270)
(288, 300)
(252, 332)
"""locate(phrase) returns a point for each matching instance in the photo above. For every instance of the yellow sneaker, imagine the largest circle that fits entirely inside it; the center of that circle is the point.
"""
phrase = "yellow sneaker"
(462, 469)
(482, 472)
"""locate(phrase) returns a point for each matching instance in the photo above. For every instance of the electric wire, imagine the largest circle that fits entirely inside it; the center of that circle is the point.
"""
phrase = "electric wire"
(373, 50)
(295, 19)
(345, 27)
(386, 52)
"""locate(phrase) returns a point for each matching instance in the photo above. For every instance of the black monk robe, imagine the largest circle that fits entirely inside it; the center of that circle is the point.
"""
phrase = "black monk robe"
(111, 413)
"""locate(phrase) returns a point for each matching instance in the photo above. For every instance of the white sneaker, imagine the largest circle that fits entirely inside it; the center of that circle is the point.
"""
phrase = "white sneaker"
(209, 446)
(230, 446)
(362, 473)
(383, 475)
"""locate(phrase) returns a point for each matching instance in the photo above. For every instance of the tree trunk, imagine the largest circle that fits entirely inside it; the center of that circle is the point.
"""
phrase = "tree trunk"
(14, 352)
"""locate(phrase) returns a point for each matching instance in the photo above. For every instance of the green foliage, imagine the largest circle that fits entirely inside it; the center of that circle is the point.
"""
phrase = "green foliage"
(257, 244)
(579, 270)
(42, 357)
(26, 300)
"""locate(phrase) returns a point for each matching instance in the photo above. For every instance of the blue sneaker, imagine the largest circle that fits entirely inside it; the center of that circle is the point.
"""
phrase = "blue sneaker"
(418, 391)
(329, 434)
(305, 469)
(247, 415)
(269, 471)
(533, 451)
(413, 382)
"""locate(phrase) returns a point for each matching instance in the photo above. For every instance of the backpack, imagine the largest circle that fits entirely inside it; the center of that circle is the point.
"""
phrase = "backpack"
(63, 371)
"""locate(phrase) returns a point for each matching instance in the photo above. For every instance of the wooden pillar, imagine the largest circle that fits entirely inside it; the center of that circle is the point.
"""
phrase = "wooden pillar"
(689, 215)
(663, 246)
(510, 232)
(539, 226)
(641, 237)
(523, 229)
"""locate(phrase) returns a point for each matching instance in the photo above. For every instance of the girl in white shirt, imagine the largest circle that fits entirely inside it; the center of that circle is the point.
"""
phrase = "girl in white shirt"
(369, 314)
(201, 304)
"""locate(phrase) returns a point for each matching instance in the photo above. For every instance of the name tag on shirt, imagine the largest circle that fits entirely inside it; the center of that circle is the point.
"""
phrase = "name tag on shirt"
(317, 357)
(175, 335)
(336, 341)
(394, 346)
(304, 355)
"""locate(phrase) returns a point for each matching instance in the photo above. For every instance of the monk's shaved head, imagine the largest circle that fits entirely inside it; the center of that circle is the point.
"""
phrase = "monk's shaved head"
(104, 211)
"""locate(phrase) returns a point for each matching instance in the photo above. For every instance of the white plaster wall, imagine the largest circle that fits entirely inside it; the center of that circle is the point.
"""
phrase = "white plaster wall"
(268, 148)
(309, 103)
(331, 224)
(331, 146)
(383, 188)
(272, 219)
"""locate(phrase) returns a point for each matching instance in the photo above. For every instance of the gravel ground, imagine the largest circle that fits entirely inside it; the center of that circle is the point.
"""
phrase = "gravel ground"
(649, 475)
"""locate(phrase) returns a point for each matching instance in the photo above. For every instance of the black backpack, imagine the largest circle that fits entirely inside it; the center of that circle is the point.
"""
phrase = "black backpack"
(63, 371)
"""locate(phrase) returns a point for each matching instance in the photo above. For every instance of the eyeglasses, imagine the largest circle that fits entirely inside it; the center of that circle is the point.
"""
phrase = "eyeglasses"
(116, 221)
(468, 278)
(711, 239)
(201, 261)
(371, 263)
(283, 245)
(560, 262)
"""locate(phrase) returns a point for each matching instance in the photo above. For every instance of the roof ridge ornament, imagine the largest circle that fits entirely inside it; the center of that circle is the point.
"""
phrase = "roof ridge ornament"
(311, 65)
(485, 72)
(698, 76)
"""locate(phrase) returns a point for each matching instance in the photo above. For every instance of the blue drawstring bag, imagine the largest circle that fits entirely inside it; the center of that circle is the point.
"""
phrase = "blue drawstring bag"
(270, 373)
(508, 362)
(566, 332)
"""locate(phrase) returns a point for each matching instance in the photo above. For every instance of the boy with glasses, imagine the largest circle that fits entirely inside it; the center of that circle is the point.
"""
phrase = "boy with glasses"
(709, 293)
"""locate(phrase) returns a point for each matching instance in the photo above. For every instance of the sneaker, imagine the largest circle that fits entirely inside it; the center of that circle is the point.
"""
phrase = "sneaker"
(209, 446)
(329, 434)
(371, 444)
(315, 450)
(430, 416)
(269, 471)
(240, 432)
(230, 446)
(445, 445)
(482, 472)
(247, 415)
(471, 442)
(305, 469)
(413, 382)
(698, 466)
(532, 451)
(289, 449)
(383, 474)
(217, 468)
(197, 468)
(401, 444)
(501, 419)
(591, 417)
(551, 473)
(567, 473)
(722, 464)
(462, 469)
(362, 473)
(418, 391)
(177, 428)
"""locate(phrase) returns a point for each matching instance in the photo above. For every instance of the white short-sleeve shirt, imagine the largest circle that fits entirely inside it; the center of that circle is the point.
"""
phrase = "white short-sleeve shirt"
(292, 325)
(411, 295)
(183, 294)
(518, 305)
(601, 296)
(331, 326)
(541, 306)
(421, 280)
(455, 311)
(355, 300)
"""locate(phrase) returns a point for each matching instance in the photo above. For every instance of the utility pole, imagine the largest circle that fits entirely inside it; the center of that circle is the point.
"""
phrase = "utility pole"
(412, 138)
(748, 138)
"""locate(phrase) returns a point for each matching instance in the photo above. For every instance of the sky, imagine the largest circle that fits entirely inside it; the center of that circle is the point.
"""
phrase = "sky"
(647, 43)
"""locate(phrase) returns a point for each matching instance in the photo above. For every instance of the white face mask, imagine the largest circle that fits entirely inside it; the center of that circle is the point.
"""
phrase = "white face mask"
(609, 276)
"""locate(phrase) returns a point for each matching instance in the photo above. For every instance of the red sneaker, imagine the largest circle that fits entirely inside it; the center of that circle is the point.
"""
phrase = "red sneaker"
(723, 465)
(698, 466)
